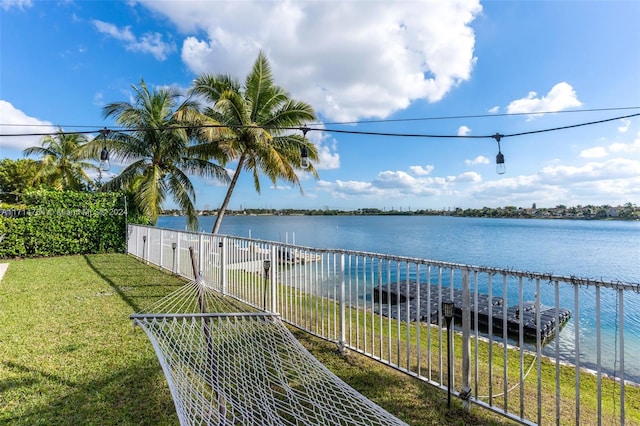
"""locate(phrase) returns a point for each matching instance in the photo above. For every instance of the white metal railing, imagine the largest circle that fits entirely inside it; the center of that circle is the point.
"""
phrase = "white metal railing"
(525, 360)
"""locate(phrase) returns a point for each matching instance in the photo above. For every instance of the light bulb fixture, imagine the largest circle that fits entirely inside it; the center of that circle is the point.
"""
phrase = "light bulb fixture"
(104, 154)
(304, 154)
(304, 157)
(500, 167)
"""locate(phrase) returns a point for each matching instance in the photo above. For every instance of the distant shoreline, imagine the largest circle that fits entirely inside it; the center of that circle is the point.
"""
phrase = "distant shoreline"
(628, 212)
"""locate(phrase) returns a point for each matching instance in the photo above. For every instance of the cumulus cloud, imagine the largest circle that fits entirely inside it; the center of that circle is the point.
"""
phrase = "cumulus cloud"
(595, 152)
(615, 168)
(630, 148)
(624, 126)
(494, 110)
(19, 4)
(561, 96)
(148, 43)
(15, 122)
(480, 159)
(399, 184)
(388, 57)
(420, 170)
(463, 131)
(619, 148)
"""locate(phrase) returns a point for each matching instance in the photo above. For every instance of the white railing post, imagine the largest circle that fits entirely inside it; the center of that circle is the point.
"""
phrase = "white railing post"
(341, 301)
(201, 255)
(177, 252)
(273, 273)
(222, 246)
(466, 336)
(161, 249)
(145, 246)
(621, 350)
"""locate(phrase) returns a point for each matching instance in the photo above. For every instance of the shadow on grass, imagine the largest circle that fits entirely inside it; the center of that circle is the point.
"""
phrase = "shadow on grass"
(128, 396)
(118, 277)
(107, 276)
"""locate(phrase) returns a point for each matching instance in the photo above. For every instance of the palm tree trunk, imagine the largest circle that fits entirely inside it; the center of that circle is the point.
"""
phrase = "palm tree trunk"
(227, 197)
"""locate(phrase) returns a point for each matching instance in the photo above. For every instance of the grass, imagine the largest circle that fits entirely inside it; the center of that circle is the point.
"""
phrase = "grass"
(69, 354)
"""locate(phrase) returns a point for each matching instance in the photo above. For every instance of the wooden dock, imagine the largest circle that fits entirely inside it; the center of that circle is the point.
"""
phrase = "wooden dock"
(394, 302)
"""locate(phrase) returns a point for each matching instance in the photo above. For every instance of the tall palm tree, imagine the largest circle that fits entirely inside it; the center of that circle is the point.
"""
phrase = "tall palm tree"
(160, 151)
(62, 166)
(259, 116)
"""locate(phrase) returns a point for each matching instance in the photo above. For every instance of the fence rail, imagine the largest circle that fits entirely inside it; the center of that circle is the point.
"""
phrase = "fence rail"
(532, 347)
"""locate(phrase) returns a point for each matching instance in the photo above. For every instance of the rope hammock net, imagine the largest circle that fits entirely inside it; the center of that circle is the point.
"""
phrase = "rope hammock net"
(245, 368)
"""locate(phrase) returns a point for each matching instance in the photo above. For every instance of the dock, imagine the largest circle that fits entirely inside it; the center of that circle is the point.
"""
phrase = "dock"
(394, 302)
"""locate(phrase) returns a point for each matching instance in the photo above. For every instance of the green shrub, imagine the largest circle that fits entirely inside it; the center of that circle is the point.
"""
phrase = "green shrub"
(52, 223)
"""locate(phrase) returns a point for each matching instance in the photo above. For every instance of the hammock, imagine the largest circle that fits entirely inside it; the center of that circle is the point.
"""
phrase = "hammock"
(245, 368)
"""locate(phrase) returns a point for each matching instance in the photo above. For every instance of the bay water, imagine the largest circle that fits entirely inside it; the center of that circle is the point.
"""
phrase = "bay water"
(604, 249)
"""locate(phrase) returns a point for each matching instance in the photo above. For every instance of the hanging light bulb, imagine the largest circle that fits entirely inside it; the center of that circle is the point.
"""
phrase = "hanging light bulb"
(104, 154)
(500, 167)
(104, 160)
(304, 154)
(304, 158)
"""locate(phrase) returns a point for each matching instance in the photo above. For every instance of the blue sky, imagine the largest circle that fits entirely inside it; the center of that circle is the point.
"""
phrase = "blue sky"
(367, 66)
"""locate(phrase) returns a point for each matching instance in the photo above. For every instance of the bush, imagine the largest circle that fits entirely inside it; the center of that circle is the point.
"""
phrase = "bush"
(52, 223)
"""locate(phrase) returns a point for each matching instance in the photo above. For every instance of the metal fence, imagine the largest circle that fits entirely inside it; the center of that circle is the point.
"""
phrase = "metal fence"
(536, 348)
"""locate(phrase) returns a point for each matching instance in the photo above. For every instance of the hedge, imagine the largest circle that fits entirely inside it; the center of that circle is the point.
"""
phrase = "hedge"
(53, 223)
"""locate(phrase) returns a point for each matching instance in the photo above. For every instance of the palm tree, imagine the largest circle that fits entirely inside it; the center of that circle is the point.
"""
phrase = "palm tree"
(62, 166)
(259, 116)
(158, 147)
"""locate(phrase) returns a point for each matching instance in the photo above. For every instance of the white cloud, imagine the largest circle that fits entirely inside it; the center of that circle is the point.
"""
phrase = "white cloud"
(463, 131)
(399, 185)
(469, 177)
(480, 159)
(630, 148)
(560, 97)
(595, 152)
(420, 170)
(15, 122)
(363, 59)
(494, 110)
(20, 4)
(624, 126)
(148, 43)
(616, 168)
(328, 157)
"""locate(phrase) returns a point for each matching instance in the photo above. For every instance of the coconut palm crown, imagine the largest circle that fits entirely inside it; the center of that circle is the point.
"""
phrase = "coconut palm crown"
(259, 116)
(62, 166)
(159, 151)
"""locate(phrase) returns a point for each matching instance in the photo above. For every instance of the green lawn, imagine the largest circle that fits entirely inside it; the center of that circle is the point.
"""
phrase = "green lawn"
(69, 354)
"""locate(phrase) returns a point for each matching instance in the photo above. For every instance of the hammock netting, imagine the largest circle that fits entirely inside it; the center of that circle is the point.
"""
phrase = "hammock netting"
(228, 365)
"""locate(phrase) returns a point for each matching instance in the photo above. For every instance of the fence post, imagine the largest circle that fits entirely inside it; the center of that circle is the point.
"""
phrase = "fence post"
(343, 331)
(200, 255)
(161, 249)
(222, 244)
(466, 336)
(273, 273)
(144, 246)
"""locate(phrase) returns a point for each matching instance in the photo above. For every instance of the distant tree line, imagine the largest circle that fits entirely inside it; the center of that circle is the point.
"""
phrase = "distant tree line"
(627, 211)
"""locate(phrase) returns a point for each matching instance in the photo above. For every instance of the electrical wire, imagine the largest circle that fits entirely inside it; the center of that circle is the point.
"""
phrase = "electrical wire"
(401, 120)
(305, 129)
(457, 117)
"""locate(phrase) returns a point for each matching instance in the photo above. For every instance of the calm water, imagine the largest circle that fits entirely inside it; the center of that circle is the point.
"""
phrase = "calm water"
(608, 250)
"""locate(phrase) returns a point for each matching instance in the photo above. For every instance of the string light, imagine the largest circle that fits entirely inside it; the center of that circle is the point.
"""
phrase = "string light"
(304, 154)
(304, 159)
(500, 167)
(104, 154)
